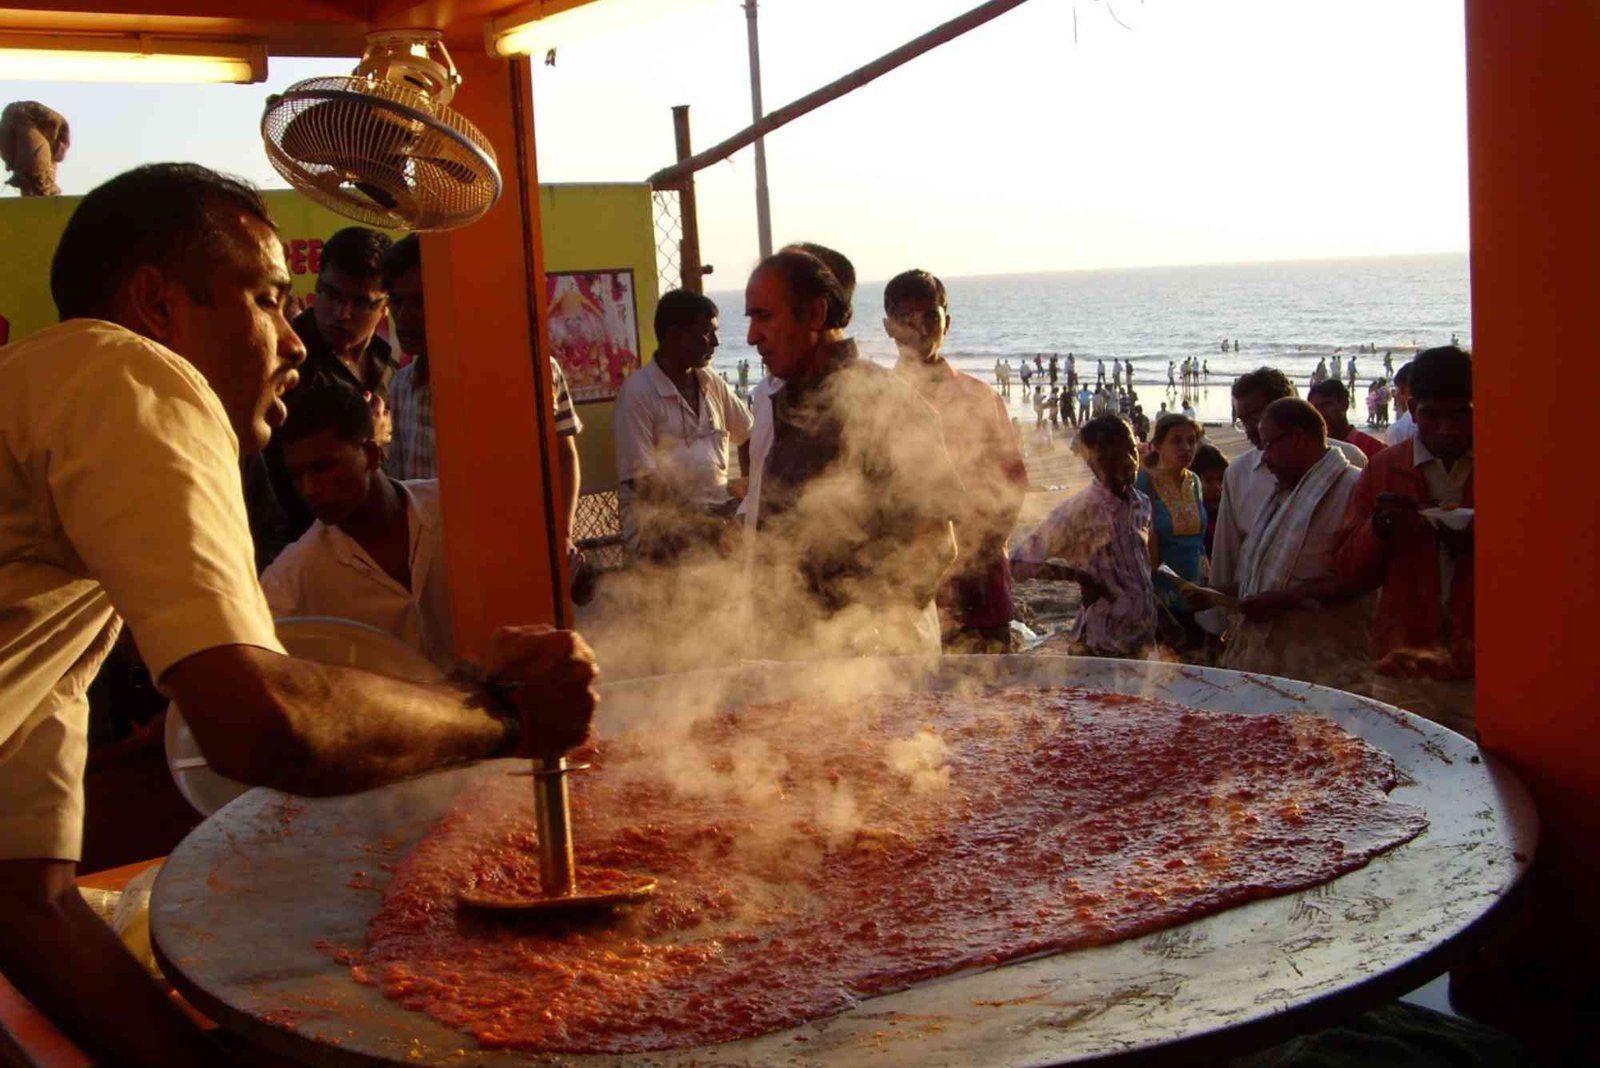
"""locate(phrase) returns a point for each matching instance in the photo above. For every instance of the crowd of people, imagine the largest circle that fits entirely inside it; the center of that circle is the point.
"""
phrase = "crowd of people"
(1325, 554)
(1272, 563)
(290, 468)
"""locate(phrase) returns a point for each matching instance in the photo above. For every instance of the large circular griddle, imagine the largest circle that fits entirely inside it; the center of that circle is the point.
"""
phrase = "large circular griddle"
(248, 905)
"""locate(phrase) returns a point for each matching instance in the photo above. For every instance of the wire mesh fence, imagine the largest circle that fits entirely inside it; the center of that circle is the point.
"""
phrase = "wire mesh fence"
(597, 529)
(669, 239)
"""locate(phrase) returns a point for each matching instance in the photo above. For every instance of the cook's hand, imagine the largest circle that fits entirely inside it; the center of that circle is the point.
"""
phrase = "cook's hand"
(1091, 589)
(551, 674)
(382, 420)
(1391, 512)
(1263, 606)
(1204, 596)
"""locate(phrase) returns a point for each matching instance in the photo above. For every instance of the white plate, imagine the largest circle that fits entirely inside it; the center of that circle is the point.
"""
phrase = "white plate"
(1450, 518)
(325, 640)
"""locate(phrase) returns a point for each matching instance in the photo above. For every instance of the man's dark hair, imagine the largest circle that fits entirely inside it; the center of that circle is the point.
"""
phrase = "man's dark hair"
(1266, 382)
(326, 406)
(808, 278)
(679, 308)
(1208, 458)
(837, 262)
(1105, 430)
(177, 217)
(1402, 377)
(1292, 413)
(914, 284)
(1444, 373)
(403, 257)
(1330, 387)
(357, 251)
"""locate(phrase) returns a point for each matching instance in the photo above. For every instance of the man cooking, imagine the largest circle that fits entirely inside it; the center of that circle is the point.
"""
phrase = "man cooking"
(120, 499)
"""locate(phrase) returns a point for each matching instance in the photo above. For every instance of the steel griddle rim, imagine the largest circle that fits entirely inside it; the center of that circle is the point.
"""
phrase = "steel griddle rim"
(1222, 985)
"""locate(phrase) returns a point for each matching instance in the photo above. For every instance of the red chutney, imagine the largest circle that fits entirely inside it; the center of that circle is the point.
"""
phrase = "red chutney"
(806, 863)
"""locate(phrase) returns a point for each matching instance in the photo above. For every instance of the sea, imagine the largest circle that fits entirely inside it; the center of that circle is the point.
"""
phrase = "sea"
(1286, 315)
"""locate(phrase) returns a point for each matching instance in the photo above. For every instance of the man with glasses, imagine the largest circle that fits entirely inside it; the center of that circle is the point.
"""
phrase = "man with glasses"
(975, 606)
(339, 329)
(1249, 482)
(1295, 615)
(339, 333)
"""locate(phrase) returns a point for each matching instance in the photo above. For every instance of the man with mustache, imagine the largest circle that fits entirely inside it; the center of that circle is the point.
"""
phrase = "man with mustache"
(120, 499)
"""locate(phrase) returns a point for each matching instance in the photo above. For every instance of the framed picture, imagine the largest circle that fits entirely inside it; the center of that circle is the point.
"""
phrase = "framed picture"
(594, 329)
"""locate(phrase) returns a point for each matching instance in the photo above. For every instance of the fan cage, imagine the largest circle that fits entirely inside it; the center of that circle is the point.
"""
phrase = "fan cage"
(381, 153)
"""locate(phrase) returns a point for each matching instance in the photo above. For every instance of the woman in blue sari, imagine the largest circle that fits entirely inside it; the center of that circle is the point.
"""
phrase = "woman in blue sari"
(1178, 514)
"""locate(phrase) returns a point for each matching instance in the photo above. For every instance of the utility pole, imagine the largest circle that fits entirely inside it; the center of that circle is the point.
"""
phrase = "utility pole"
(763, 206)
(692, 273)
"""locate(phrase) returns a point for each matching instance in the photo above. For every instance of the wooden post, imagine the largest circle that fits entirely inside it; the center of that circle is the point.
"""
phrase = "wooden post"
(487, 339)
(690, 270)
(1532, 83)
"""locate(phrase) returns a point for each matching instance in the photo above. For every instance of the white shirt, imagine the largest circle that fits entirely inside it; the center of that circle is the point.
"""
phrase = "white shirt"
(1401, 429)
(1246, 486)
(119, 497)
(327, 573)
(656, 433)
(762, 431)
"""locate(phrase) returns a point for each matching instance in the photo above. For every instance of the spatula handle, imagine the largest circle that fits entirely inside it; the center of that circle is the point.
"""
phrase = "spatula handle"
(553, 820)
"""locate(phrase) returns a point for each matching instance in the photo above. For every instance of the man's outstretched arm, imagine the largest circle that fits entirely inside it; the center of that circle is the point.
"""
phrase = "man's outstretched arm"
(274, 720)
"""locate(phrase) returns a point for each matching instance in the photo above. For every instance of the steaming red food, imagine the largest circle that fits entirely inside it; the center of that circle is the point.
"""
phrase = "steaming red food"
(818, 855)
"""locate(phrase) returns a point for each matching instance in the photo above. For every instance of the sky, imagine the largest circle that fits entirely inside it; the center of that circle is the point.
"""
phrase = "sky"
(1165, 132)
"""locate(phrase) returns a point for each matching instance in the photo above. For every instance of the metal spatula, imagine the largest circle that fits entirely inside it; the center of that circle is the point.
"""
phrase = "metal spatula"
(557, 876)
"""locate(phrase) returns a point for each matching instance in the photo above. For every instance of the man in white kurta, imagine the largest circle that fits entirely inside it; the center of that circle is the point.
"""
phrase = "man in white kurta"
(1295, 616)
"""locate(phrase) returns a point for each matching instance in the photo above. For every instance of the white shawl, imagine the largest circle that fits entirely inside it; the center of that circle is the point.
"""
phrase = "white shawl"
(1268, 555)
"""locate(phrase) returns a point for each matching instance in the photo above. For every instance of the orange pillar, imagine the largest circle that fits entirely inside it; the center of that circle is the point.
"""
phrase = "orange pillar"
(484, 286)
(1533, 79)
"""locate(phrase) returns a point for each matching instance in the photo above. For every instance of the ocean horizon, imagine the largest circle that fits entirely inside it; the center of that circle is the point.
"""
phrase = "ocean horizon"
(1286, 314)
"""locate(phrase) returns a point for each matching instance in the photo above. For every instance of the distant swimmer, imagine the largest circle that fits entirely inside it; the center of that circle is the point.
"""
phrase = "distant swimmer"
(1172, 380)
(1320, 375)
